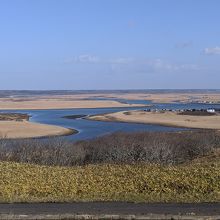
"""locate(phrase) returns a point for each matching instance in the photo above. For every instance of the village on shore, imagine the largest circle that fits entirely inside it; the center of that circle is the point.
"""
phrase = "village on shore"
(208, 110)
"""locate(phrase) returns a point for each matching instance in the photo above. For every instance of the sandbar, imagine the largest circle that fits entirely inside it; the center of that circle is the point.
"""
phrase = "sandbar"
(15, 125)
(167, 119)
(59, 103)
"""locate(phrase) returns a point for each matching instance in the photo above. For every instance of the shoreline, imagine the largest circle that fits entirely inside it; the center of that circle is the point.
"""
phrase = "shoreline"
(108, 100)
(50, 104)
(123, 121)
(17, 126)
(33, 130)
(68, 133)
(189, 122)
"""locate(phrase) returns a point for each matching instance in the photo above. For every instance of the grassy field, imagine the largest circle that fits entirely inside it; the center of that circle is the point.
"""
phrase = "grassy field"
(198, 181)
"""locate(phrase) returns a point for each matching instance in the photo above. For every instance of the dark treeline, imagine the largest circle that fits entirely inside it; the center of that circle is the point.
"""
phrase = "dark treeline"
(149, 147)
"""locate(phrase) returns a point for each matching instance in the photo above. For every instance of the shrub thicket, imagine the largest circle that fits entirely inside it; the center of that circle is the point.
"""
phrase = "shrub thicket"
(120, 148)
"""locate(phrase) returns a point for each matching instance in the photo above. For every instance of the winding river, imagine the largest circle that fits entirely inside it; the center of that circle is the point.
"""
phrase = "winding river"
(88, 129)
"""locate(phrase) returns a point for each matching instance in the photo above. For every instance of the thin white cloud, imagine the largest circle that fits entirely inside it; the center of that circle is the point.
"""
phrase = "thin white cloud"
(87, 58)
(128, 64)
(84, 58)
(121, 60)
(149, 66)
(159, 64)
(212, 50)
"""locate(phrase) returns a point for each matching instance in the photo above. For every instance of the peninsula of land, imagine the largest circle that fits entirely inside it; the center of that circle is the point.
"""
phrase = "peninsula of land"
(166, 118)
(58, 102)
(14, 125)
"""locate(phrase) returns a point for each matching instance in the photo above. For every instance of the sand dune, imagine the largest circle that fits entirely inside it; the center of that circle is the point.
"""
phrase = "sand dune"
(167, 118)
(25, 129)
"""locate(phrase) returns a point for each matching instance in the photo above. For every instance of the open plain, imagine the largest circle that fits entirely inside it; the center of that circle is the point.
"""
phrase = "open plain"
(58, 102)
(96, 99)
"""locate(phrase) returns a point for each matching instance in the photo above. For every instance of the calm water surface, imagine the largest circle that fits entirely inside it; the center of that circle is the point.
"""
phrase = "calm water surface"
(91, 129)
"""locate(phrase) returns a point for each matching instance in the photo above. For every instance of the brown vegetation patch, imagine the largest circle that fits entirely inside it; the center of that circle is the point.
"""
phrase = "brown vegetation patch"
(165, 118)
(14, 117)
(120, 148)
(197, 113)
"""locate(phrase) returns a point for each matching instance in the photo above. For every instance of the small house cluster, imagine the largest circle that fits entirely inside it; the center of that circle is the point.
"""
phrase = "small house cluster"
(209, 110)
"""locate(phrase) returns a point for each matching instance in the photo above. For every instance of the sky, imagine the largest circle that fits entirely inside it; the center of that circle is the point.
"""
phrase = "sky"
(109, 44)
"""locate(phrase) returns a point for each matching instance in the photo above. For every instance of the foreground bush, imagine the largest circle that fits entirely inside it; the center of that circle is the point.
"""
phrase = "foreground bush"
(119, 148)
(198, 182)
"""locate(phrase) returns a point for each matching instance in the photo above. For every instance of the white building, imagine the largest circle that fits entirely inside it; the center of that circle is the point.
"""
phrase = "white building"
(211, 110)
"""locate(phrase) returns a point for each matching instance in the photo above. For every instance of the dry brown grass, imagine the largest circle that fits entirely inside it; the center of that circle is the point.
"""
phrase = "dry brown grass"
(165, 118)
(25, 129)
(58, 103)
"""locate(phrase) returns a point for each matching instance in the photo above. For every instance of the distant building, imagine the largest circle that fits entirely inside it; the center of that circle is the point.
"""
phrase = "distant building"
(211, 110)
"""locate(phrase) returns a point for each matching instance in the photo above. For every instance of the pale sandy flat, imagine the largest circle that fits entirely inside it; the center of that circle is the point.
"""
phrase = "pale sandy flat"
(167, 118)
(169, 97)
(58, 103)
(25, 129)
(81, 100)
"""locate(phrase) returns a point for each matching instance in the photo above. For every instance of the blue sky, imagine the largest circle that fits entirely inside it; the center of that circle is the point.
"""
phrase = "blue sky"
(109, 44)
